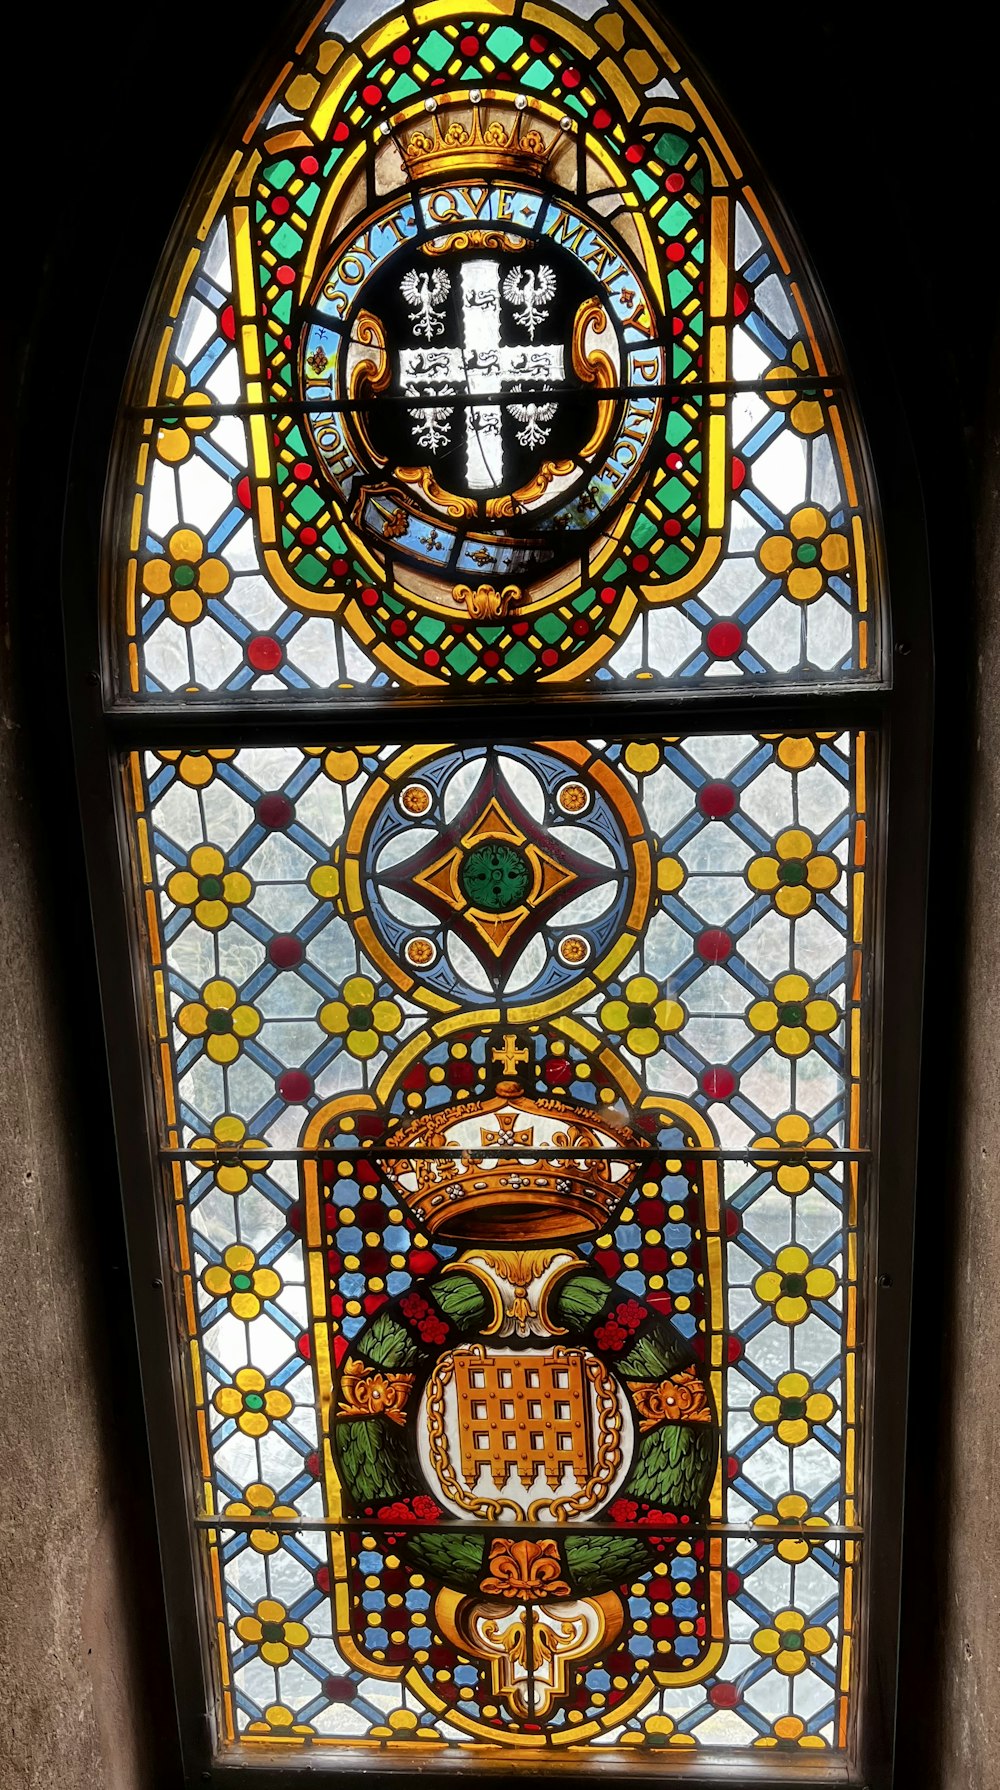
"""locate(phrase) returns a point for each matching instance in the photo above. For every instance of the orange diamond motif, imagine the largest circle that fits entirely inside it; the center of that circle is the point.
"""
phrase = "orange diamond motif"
(494, 875)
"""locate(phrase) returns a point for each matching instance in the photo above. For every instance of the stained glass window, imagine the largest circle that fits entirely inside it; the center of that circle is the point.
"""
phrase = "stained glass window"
(512, 1090)
(484, 365)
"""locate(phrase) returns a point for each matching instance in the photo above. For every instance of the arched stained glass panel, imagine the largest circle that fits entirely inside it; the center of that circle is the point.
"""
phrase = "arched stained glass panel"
(485, 365)
(512, 1093)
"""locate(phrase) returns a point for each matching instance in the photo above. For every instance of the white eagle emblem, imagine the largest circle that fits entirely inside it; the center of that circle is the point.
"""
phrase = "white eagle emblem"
(533, 417)
(426, 294)
(530, 293)
(431, 424)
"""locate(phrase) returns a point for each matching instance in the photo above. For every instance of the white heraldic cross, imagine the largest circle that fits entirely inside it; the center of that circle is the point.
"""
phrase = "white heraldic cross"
(480, 364)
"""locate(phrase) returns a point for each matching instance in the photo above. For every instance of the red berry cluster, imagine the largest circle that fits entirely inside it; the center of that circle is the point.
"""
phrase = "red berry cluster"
(425, 1321)
(617, 1329)
(628, 1510)
(421, 1509)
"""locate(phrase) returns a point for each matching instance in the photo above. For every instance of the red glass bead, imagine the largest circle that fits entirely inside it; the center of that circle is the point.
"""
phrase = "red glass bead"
(275, 811)
(724, 639)
(716, 800)
(285, 951)
(295, 1086)
(718, 1083)
(714, 945)
(264, 653)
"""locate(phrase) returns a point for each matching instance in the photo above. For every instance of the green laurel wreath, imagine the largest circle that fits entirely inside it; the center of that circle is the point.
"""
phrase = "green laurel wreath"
(671, 1469)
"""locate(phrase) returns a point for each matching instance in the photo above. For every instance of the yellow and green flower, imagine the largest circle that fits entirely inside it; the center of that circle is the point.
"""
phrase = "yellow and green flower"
(254, 1404)
(208, 888)
(401, 1727)
(240, 1280)
(223, 1021)
(232, 1173)
(643, 1016)
(190, 414)
(794, 874)
(186, 577)
(794, 1015)
(792, 1642)
(360, 1017)
(341, 763)
(197, 768)
(801, 401)
(643, 756)
(793, 1409)
(325, 880)
(670, 875)
(260, 1501)
(278, 1723)
(658, 1731)
(796, 751)
(793, 1132)
(792, 1508)
(271, 1630)
(804, 556)
(792, 1284)
(789, 1731)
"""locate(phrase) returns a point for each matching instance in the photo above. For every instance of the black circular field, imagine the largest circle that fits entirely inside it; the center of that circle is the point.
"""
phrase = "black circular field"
(492, 331)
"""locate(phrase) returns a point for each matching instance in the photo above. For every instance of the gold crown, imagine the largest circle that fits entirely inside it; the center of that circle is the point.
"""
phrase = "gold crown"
(441, 147)
(500, 1193)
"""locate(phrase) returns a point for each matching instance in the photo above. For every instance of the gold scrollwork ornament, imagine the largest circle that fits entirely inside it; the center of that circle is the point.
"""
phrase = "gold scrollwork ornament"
(485, 602)
(529, 1656)
(365, 1392)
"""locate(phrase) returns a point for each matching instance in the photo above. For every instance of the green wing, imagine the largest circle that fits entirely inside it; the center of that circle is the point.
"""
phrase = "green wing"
(461, 1298)
(599, 1561)
(387, 1343)
(581, 1298)
(673, 1466)
(374, 1460)
(458, 1559)
(661, 1351)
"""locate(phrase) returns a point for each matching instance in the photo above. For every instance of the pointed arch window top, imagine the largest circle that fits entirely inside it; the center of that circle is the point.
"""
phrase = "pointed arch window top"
(486, 368)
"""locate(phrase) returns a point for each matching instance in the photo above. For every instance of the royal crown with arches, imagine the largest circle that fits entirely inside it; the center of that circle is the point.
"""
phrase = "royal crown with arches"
(450, 144)
(488, 1181)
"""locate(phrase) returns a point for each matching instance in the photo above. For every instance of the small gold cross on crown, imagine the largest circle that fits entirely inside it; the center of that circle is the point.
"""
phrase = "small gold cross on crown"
(508, 1054)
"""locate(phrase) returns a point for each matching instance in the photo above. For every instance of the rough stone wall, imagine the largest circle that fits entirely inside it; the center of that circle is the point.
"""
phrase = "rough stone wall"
(85, 1691)
(75, 1708)
(968, 1641)
(86, 1700)
(65, 1653)
(82, 1670)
